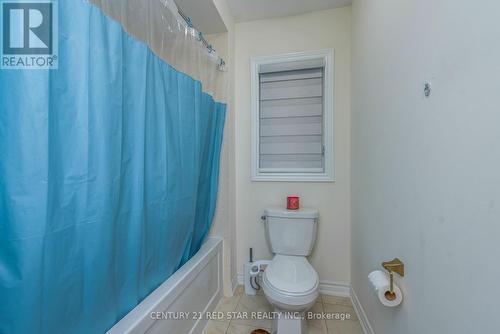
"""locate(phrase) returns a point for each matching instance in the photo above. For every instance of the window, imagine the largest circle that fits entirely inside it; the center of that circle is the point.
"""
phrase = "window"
(292, 117)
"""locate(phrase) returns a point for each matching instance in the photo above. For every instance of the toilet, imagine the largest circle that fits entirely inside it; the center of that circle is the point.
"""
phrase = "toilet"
(289, 282)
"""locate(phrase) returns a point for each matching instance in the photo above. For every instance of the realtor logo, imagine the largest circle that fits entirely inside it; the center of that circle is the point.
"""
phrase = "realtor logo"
(29, 34)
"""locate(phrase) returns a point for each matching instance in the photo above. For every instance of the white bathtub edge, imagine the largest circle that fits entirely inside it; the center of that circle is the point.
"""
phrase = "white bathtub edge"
(139, 321)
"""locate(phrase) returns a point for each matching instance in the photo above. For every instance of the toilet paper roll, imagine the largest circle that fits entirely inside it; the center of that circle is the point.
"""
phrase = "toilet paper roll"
(381, 283)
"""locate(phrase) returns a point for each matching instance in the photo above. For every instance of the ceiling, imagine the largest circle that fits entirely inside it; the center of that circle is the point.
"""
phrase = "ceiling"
(248, 10)
(203, 14)
(206, 18)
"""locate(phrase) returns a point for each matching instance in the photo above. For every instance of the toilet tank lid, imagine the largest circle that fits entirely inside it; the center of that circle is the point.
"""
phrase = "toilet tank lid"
(279, 212)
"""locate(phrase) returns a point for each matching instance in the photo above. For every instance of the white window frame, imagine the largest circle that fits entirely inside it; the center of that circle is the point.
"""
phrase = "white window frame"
(327, 57)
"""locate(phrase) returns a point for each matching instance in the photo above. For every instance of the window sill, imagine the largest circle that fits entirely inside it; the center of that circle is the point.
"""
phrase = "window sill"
(292, 177)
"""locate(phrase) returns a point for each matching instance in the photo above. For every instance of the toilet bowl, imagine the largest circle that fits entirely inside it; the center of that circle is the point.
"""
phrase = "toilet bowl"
(289, 282)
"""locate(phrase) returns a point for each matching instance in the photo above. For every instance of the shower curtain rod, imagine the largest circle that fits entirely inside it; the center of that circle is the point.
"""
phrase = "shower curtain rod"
(189, 22)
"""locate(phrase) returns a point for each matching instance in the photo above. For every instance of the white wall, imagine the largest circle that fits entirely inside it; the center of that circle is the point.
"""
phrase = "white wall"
(224, 224)
(426, 172)
(314, 31)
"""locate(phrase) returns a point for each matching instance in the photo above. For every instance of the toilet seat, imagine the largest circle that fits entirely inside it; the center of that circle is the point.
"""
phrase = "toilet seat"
(290, 281)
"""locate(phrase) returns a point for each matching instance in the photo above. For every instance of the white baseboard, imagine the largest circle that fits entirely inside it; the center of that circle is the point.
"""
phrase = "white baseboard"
(363, 319)
(334, 289)
(325, 287)
(234, 283)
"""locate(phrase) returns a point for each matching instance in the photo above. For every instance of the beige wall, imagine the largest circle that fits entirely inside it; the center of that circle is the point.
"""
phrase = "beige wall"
(224, 224)
(224, 221)
(314, 31)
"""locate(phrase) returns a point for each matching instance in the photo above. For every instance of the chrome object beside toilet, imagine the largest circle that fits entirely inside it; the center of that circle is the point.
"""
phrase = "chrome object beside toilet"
(290, 283)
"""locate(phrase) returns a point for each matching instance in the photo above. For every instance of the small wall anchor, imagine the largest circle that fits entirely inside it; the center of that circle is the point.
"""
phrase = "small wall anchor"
(427, 89)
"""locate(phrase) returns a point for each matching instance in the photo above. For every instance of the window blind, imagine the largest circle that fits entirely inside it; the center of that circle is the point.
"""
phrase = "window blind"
(291, 121)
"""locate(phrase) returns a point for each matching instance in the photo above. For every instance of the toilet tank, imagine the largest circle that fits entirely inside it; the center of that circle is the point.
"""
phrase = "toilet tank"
(291, 232)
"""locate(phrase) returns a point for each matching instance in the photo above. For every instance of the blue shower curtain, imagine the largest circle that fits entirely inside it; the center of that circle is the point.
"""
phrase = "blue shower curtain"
(108, 178)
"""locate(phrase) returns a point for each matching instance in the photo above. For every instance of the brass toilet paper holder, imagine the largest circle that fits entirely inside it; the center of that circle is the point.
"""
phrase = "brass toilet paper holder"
(394, 266)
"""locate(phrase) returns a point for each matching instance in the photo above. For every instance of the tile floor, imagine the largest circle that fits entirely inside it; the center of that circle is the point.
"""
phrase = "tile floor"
(243, 303)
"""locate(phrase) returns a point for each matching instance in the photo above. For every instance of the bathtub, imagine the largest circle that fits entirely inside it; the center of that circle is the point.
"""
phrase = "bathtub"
(191, 291)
